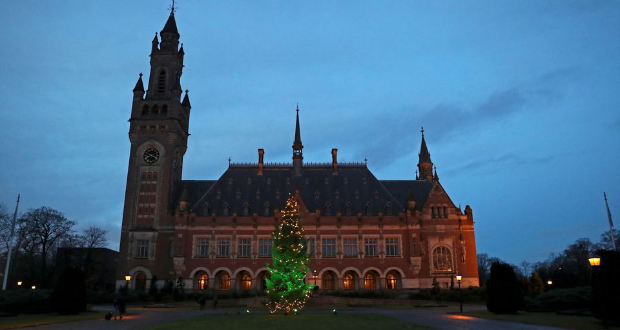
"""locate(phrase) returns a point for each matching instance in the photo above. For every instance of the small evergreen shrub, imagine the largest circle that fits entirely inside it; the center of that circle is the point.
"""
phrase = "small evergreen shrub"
(504, 293)
(69, 294)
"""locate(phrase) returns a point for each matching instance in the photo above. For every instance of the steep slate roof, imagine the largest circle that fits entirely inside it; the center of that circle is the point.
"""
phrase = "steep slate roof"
(354, 185)
(171, 25)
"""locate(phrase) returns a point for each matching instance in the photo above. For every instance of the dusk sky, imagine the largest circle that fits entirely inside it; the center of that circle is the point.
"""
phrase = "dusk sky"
(520, 102)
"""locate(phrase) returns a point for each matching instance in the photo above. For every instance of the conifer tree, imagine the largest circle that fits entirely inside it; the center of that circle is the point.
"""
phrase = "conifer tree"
(286, 287)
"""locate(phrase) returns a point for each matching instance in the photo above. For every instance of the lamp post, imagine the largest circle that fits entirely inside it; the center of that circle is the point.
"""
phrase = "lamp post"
(314, 276)
(34, 287)
(597, 304)
(19, 284)
(127, 279)
(458, 279)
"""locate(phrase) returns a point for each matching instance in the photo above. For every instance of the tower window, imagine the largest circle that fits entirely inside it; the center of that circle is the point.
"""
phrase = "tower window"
(155, 110)
(164, 110)
(145, 110)
(161, 82)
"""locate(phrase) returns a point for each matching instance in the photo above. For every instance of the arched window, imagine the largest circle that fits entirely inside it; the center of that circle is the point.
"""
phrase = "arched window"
(164, 110)
(328, 281)
(370, 281)
(203, 281)
(445, 212)
(155, 110)
(224, 281)
(349, 282)
(391, 281)
(140, 281)
(246, 282)
(433, 212)
(145, 110)
(442, 259)
(161, 82)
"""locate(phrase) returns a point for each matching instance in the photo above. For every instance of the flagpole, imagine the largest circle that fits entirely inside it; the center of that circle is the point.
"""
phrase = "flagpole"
(611, 224)
(8, 257)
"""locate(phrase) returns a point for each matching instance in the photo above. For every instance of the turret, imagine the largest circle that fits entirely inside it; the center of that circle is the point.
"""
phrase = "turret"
(425, 165)
(297, 148)
(138, 91)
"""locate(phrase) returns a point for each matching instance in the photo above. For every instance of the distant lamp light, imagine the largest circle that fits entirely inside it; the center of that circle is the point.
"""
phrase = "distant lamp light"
(595, 261)
(128, 278)
(550, 282)
(34, 287)
(459, 277)
(19, 283)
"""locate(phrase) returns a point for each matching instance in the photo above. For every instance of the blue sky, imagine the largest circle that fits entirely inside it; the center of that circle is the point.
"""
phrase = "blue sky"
(519, 99)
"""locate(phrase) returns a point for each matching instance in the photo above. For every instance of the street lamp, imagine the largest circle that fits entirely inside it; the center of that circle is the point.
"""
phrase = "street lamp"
(314, 276)
(550, 282)
(595, 261)
(127, 279)
(458, 279)
(19, 284)
(34, 287)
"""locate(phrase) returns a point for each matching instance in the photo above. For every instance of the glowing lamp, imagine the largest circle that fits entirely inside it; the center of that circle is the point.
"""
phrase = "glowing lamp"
(595, 261)
(19, 283)
(459, 277)
(34, 287)
(127, 278)
(550, 282)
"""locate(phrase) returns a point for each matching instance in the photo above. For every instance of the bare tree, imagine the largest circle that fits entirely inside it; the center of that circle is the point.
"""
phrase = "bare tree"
(525, 267)
(95, 237)
(5, 229)
(41, 230)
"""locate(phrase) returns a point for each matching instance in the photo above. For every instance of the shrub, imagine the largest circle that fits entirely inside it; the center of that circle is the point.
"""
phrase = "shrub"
(561, 299)
(606, 287)
(69, 295)
(26, 301)
(535, 285)
(504, 293)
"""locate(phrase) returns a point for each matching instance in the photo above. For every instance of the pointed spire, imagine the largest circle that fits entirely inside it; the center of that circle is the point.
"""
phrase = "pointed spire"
(155, 44)
(181, 51)
(139, 85)
(425, 156)
(297, 142)
(185, 102)
(436, 177)
(171, 25)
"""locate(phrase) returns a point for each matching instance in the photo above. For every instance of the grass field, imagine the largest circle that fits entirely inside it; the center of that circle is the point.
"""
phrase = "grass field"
(299, 322)
(548, 319)
(31, 320)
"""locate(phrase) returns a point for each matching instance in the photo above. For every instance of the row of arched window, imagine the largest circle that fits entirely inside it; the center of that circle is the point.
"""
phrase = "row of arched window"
(439, 212)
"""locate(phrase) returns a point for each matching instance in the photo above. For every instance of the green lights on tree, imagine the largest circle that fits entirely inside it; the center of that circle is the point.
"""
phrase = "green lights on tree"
(286, 287)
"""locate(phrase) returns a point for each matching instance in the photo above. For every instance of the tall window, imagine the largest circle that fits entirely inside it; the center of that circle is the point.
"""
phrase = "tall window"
(349, 246)
(141, 281)
(203, 281)
(392, 246)
(246, 282)
(202, 247)
(442, 259)
(311, 247)
(223, 247)
(224, 281)
(370, 281)
(328, 281)
(390, 281)
(329, 247)
(349, 282)
(142, 248)
(264, 247)
(245, 247)
(371, 246)
(161, 82)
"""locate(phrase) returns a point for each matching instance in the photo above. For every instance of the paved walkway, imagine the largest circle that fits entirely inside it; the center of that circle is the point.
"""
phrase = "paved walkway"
(436, 318)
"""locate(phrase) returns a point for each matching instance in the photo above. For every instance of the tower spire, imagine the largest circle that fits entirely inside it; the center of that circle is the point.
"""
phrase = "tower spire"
(297, 147)
(425, 165)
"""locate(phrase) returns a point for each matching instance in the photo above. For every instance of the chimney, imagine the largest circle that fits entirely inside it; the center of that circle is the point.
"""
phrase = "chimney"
(261, 153)
(334, 161)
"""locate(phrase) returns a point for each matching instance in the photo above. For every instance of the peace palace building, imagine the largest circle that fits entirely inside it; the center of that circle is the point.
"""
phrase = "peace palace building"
(363, 233)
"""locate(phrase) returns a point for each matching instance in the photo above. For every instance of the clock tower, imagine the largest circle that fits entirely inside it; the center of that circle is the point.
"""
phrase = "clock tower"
(158, 134)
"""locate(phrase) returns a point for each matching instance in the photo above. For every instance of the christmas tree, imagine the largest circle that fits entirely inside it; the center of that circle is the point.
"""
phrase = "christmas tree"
(286, 288)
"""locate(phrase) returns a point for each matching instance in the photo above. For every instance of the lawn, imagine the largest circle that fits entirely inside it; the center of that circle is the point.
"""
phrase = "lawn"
(548, 319)
(31, 320)
(310, 321)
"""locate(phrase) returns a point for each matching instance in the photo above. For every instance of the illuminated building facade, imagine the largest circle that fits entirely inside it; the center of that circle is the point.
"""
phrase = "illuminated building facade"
(363, 233)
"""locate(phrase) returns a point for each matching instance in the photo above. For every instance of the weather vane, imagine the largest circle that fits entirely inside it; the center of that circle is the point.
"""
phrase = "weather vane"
(172, 8)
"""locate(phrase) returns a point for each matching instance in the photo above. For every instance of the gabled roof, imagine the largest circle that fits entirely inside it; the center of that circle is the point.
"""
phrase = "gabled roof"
(354, 189)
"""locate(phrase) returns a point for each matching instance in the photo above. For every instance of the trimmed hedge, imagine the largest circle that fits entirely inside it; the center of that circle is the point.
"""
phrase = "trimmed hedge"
(26, 301)
(561, 299)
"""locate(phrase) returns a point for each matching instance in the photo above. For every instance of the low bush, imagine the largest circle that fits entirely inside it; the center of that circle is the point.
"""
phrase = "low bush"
(26, 301)
(561, 299)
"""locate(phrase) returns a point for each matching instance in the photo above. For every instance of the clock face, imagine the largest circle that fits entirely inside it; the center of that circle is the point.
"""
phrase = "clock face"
(151, 155)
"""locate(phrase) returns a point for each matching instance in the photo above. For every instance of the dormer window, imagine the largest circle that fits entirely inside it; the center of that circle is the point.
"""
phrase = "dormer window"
(230, 181)
(266, 210)
(249, 180)
(376, 194)
(225, 209)
(278, 194)
(161, 83)
(388, 207)
(356, 194)
(258, 194)
(348, 208)
(238, 194)
(337, 194)
(368, 209)
(317, 194)
(219, 194)
(328, 208)
(246, 209)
